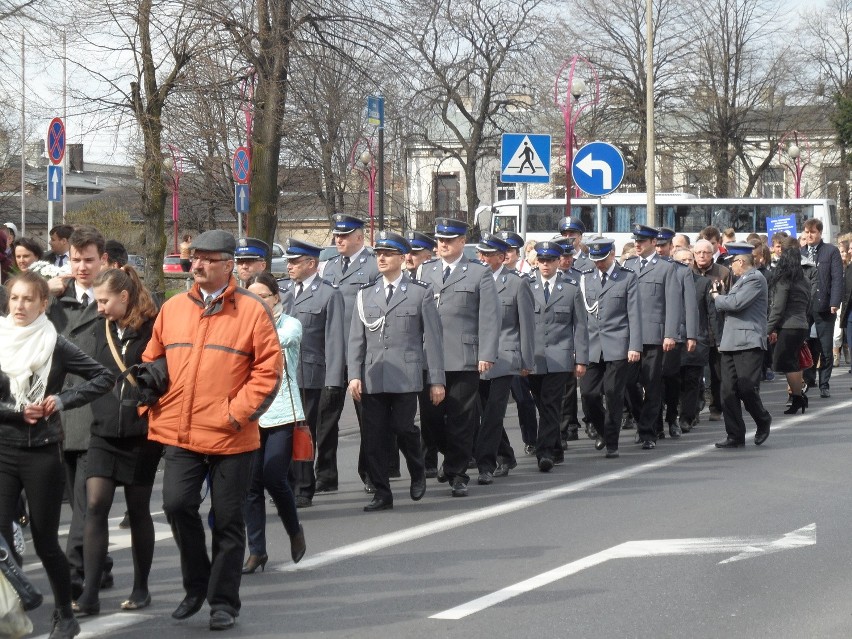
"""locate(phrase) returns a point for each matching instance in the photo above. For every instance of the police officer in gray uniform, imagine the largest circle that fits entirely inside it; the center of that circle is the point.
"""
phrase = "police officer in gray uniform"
(573, 228)
(661, 297)
(569, 425)
(318, 305)
(561, 346)
(611, 299)
(395, 332)
(353, 267)
(515, 355)
(744, 339)
(468, 306)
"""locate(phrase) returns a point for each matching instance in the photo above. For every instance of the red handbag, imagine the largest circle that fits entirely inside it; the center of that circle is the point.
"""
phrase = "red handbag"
(303, 442)
(806, 360)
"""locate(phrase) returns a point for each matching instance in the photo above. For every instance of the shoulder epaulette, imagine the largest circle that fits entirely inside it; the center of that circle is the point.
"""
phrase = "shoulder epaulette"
(431, 261)
(325, 281)
(513, 272)
(588, 271)
(625, 268)
(373, 282)
(419, 282)
(570, 280)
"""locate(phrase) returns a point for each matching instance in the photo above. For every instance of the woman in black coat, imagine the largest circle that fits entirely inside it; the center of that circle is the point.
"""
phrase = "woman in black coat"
(119, 450)
(788, 323)
(34, 361)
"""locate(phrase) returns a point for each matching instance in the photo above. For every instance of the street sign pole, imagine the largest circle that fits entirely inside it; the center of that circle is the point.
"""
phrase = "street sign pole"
(55, 153)
(600, 216)
(524, 210)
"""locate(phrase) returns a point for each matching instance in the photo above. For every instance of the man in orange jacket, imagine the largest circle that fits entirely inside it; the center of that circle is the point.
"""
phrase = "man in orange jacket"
(224, 364)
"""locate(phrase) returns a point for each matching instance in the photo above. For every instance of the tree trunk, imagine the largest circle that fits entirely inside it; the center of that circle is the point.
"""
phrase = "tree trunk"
(843, 213)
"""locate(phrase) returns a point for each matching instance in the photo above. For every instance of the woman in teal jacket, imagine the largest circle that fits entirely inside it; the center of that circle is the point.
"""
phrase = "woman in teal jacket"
(272, 459)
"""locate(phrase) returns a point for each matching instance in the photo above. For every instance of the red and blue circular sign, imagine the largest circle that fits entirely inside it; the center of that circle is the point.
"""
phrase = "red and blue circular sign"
(56, 140)
(241, 165)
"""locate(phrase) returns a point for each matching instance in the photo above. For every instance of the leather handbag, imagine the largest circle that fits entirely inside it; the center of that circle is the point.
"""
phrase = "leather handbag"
(303, 441)
(29, 595)
(806, 360)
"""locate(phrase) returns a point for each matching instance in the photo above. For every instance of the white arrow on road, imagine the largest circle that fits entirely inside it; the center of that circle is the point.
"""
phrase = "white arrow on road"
(744, 547)
(588, 165)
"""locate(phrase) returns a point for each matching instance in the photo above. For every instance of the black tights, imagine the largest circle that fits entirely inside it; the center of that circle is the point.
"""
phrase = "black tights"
(100, 492)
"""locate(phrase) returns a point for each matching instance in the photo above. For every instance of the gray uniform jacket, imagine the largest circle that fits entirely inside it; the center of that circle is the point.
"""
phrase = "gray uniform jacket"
(468, 306)
(517, 325)
(320, 310)
(77, 323)
(615, 317)
(391, 358)
(661, 297)
(561, 335)
(360, 272)
(745, 313)
(689, 324)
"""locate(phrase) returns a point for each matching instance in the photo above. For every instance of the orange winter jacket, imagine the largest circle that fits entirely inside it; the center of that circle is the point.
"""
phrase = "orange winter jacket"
(222, 361)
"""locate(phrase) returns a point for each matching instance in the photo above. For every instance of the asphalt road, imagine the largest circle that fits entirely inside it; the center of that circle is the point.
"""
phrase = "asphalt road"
(682, 541)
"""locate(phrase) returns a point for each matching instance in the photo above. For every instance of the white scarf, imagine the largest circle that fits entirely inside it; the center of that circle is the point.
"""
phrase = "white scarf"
(26, 356)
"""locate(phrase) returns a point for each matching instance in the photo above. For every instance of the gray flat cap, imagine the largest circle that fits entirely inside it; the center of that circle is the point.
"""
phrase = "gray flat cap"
(215, 241)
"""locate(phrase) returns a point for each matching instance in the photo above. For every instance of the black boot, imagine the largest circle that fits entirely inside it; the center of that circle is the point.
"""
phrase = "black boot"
(798, 402)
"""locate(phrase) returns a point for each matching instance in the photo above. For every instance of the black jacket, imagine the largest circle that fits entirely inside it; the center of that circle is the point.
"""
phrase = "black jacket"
(829, 266)
(67, 359)
(789, 308)
(115, 414)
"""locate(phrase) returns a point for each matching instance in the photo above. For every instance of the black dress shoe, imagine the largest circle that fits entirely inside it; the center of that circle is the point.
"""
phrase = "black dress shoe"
(459, 488)
(823, 392)
(675, 430)
(303, 502)
(612, 454)
(418, 488)
(322, 487)
(730, 443)
(221, 620)
(378, 504)
(64, 627)
(649, 444)
(761, 436)
(368, 486)
(485, 478)
(600, 444)
(545, 464)
(188, 607)
(501, 471)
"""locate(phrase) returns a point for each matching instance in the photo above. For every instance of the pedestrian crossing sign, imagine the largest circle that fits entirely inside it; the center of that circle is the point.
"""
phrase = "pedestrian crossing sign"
(525, 157)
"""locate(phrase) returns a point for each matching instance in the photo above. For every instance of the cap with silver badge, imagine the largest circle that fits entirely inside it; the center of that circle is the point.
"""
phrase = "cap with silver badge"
(251, 248)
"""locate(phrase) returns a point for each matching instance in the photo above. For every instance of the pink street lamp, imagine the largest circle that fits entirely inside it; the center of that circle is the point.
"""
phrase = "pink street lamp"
(363, 160)
(573, 97)
(794, 157)
(174, 164)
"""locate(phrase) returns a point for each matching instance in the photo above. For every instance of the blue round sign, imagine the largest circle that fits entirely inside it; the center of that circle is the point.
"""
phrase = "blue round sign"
(598, 168)
(241, 165)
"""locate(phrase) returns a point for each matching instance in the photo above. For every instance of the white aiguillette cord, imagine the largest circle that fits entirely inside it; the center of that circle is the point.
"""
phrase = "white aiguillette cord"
(370, 326)
(593, 309)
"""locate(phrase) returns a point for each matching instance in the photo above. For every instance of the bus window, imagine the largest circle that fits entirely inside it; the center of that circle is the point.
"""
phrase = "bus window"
(504, 223)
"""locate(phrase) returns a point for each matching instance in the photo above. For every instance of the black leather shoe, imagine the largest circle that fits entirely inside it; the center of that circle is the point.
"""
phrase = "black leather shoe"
(501, 471)
(685, 425)
(298, 545)
(221, 620)
(675, 431)
(188, 607)
(761, 435)
(485, 478)
(459, 488)
(303, 502)
(441, 476)
(730, 443)
(418, 489)
(612, 454)
(322, 487)
(64, 627)
(649, 445)
(572, 434)
(600, 444)
(378, 504)
(545, 464)
(368, 486)
(254, 562)
(823, 392)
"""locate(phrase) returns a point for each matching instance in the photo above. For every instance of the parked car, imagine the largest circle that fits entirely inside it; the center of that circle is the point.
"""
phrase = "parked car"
(471, 252)
(171, 263)
(278, 263)
(137, 262)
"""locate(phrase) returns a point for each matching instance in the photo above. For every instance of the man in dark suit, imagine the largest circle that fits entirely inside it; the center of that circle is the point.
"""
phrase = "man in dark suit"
(744, 339)
(468, 305)
(318, 305)
(395, 331)
(827, 299)
(58, 255)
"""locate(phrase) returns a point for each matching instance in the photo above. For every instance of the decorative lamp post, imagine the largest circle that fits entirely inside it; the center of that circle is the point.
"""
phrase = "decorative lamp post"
(364, 162)
(572, 98)
(174, 164)
(795, 156)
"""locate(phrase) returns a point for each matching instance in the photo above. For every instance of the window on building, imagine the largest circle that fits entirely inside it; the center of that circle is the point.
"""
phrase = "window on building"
(447, 193)
(772, 182)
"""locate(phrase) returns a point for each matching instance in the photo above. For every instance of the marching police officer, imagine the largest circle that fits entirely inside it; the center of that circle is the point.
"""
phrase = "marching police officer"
(561, 346)
(515, 355)
(744, 339)
(422, 250)
(468, 305)
(250, 257)
(395, 332)
(611, 299)
(661, 297)
(573, 228)
(318, 305)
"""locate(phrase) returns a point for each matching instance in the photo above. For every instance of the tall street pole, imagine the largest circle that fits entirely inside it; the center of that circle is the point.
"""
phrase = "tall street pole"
(380, 187)
(23, 138)
(650, 181)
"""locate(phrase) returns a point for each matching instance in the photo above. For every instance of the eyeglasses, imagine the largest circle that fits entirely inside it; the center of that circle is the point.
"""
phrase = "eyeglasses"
(207, 261)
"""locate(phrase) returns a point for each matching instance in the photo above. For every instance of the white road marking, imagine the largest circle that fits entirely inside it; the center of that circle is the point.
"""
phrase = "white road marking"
(360, 548)
(104, 624)
(746, 547)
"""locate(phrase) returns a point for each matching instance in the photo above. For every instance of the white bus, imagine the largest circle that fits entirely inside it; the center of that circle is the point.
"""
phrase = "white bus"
(682, 212)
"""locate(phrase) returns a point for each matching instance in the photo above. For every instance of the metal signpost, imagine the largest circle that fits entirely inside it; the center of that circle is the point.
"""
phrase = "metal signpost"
(56, 152)
(598, 169)
(524, 159)
(241, 167)
(376, 117)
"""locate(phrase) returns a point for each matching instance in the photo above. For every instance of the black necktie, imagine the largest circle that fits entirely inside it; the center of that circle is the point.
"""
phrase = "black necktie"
(61, 261)
(84, 300)
(446, 273)
(345, 266)
(301, 290)
(546, 292)
(603, 279)
(642, 264)
(390, 294)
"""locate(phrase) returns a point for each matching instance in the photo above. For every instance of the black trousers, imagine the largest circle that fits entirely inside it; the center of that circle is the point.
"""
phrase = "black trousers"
(822, 349)
(741, 371)
(605, 380)
(494, 395)
(452, 423)
(569, 408)
(184, 477)
(715, 366)
(429, 440)
(646, 396)
(690, 392)
(389, 426)
(548, 390)
(671, 383)
(525, 402)
(323, 407)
